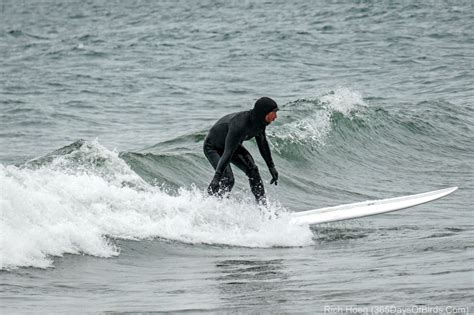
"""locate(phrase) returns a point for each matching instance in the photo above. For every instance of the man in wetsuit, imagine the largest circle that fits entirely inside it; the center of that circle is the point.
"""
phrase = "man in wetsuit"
(223, 145)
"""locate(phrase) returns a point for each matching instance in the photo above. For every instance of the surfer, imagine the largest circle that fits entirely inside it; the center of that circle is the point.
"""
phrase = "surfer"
(223, 145)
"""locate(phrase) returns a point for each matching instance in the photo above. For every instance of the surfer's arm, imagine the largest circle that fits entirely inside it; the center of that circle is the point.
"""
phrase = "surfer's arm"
(232, 141)
(267, 156)
(264, 149)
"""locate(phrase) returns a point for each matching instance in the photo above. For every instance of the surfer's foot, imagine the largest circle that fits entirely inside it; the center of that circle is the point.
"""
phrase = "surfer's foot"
(262, 202)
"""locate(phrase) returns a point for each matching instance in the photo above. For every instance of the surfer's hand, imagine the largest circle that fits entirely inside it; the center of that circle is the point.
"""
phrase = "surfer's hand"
(274, 173)
(214, 185)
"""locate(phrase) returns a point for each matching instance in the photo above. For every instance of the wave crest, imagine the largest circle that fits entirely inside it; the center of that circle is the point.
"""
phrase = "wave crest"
(309, 121)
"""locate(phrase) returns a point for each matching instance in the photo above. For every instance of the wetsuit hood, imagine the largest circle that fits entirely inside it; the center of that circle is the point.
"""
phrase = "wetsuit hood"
(262, 107)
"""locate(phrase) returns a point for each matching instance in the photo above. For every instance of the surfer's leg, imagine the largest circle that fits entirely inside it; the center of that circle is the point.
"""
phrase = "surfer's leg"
(244, 161)
(227, 180)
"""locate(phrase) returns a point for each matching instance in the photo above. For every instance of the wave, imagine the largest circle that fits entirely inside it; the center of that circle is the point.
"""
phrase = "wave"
(78, 199)
(341, 120)
(309, 122)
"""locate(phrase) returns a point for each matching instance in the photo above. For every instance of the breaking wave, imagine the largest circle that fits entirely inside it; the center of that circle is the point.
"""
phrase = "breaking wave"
(78, 199)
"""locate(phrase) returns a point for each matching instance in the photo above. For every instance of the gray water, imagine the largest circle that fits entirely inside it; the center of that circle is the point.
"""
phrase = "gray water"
(376, 101)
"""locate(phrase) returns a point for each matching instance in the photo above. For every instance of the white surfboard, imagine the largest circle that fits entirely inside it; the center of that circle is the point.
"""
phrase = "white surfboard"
(366, 208)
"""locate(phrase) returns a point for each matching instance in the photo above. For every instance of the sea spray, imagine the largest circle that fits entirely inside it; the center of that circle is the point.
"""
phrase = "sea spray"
(308, 122)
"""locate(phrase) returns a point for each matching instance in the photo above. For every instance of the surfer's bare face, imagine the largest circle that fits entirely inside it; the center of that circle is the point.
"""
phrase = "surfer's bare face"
(271, 116)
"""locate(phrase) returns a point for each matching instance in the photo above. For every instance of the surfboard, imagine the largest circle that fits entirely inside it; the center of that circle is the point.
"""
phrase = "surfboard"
(366, 208)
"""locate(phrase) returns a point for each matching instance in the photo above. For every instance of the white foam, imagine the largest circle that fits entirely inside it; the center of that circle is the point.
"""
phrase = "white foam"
(342, 100)
(74, 206)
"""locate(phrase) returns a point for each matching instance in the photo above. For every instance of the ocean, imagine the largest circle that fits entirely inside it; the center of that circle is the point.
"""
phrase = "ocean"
(104, 109)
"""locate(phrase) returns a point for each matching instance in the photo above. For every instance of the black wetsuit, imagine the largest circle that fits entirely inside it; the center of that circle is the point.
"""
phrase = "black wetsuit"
(223, 145)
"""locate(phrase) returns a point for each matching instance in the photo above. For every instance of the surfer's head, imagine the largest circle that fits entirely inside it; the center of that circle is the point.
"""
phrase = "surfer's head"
(265, 110)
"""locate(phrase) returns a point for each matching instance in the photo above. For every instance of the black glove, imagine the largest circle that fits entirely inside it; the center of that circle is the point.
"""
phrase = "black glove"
(214, 186)
(274, 173)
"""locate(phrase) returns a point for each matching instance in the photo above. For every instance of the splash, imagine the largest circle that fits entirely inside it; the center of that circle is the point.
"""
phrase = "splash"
(79, 201)
(342, 100)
